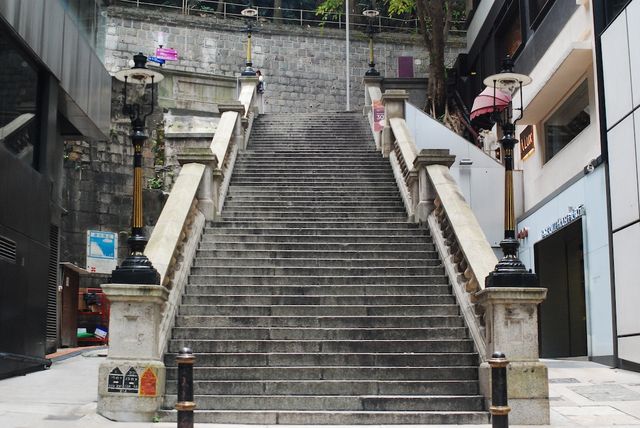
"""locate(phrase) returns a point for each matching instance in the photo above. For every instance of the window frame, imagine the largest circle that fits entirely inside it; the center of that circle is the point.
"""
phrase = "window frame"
(541, 125)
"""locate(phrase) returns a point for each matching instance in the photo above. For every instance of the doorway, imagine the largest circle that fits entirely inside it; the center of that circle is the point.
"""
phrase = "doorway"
(563, 316)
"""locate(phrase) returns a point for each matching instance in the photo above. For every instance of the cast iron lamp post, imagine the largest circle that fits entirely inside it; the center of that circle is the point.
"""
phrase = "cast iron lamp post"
(371, 14)
(249, 13)
(510, 271)
(137, 268)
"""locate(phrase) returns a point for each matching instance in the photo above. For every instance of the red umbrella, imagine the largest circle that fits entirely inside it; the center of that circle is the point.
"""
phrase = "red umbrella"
(484, 103)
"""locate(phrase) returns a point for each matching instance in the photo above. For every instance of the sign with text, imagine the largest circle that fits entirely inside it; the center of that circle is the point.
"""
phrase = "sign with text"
(167, 54)
(378, 115)
(570, 217)
(102, 251)
(527, 145)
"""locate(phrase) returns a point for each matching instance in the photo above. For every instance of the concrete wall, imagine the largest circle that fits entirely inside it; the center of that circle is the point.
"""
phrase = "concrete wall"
(304, 68)
(621, 68)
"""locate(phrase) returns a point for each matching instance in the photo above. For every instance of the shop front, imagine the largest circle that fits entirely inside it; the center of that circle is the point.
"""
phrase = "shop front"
(564, 239)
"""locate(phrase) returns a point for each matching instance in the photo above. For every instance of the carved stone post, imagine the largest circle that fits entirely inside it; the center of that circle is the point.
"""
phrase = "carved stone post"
(511, 322)
(131, 379)
(238, 130)
(426, 193)
(208, 191)
(393, 101)
(370, 82)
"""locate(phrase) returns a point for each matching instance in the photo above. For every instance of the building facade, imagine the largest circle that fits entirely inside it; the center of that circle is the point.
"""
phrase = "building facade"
(53, 86)
(617, 34)
(564, 225)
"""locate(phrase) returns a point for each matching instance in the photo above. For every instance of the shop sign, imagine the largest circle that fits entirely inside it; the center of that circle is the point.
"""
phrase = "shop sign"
(564, 221)
(102, 250)
(527, 145)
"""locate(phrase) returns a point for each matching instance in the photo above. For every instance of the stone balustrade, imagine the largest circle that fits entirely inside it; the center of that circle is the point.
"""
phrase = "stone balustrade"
(499, 319)
(142, 316)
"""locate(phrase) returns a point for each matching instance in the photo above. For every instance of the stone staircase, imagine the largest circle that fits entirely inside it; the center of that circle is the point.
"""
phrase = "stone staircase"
(313, 301)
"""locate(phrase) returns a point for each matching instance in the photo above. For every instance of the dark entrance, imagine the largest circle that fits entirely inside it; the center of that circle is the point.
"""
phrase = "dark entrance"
(563, 317)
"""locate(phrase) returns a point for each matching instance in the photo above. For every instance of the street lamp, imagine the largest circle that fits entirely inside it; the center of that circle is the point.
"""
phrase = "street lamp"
(510, 271)
(136, 267)
(371, 14)
(248, 13)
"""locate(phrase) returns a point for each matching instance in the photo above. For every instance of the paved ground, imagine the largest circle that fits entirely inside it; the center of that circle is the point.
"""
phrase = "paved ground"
(583, 394)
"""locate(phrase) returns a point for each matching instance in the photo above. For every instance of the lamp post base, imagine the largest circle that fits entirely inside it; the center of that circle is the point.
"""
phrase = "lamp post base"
(510, 271)
(248, 71)
(135, 269)
(372, 70)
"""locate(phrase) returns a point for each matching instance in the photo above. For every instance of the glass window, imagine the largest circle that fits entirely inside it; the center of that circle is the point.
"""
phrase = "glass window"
(537, 10)
(509, 33)
(613, 8)
(18, 101)
(567, 121)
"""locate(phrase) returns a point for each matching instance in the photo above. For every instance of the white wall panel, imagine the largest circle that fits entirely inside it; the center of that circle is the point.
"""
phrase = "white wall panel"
(629, 349)
(626, 253)
(616, 70)
(633, 16)
(623, 174)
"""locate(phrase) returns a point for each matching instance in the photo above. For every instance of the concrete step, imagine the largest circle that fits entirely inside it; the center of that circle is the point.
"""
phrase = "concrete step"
(328, 388)
(318, 246)
(318, 310)
(342, 321)
(321, 236)
(333, 417)
(372, 300)
(315, 346)
(259, 224)
(296, 333)
(308, 280)
(338, 402)
(202, 261)
(444, 372)
(275, 271)
(360, 359)
(336, 289)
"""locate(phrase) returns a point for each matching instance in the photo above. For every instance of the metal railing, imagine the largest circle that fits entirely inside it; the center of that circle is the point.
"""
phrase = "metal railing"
(290, 16)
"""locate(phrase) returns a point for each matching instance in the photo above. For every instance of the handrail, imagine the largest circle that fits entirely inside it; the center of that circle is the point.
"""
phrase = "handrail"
(433, 197)
(169, 232)
(197, 195)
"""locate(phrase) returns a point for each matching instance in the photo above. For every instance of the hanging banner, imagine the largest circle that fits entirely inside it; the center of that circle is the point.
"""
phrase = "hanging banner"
(167, 54)
(378, 115)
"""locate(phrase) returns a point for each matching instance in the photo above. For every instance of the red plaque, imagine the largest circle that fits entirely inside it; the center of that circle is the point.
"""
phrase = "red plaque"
(148, 383)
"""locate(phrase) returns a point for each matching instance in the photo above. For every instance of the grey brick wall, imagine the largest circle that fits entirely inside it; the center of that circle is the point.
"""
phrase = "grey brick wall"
(304, 67)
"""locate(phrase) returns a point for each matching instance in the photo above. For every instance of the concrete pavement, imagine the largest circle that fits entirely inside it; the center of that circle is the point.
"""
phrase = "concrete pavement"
(583, 394)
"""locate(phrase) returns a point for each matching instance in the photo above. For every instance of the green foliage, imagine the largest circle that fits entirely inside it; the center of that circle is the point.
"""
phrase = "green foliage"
(330, 9)
(400, 7)
(155, 183)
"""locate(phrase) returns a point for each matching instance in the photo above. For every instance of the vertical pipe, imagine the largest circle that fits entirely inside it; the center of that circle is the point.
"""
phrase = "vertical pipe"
(301, 24)
(499, 407)
(347, 49)
(185, 404)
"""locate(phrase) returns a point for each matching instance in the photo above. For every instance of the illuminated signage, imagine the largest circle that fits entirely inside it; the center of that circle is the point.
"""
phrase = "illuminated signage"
(527, 145)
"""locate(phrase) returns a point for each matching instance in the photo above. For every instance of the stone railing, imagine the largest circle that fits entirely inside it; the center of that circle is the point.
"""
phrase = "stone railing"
(197, 196)
(431, 196)
(499, 318)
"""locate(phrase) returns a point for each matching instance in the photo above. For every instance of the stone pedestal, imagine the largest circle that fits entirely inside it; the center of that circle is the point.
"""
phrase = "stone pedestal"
(209, 189)
(423, 193)
(511, 322)
(393, 101)
(132, 378)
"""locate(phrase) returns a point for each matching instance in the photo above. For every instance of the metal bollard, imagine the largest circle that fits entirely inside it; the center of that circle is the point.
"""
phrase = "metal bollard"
(499, 408)
(185, 404)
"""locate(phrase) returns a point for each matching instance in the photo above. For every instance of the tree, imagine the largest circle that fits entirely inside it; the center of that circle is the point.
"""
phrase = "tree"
(434, 17)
